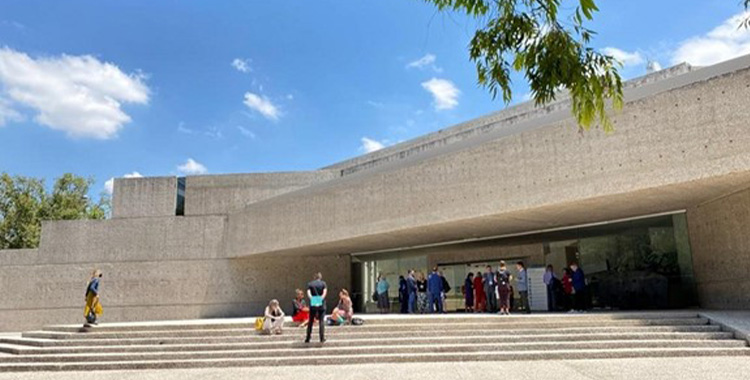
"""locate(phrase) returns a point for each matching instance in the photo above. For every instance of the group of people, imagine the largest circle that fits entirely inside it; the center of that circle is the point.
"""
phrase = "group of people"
(568, 293)
(417, 293)
(492, 291)
(305, 314)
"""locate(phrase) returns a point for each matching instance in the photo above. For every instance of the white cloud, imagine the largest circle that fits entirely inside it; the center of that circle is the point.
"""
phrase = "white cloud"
(79, 95)
(653, 66)
(8, 114)
(242, 65)
(444, 93)
(263, 105)
(246, 132)
(191, 167)
(427, 61)
(626, 58)
(724, 42)
(289, 97)
(375, 104)
(109, 185)
(369, 145)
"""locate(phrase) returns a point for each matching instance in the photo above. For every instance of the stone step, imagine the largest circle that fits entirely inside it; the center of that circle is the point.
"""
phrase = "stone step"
(290, 341)
(300, 349)
(378, 358)
(348, 332)
(207, 324)
(496, 323)
(250, 331)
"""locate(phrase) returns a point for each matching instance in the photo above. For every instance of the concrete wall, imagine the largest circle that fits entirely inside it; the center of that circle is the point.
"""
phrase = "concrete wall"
(720, 240)
(221, 194)
(144, 197)
(154, 268)
(670, 150)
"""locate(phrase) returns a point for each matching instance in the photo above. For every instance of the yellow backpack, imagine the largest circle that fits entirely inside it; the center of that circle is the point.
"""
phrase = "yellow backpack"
(259, 323)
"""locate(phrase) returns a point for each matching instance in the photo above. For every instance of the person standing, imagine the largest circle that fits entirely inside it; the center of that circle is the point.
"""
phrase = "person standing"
(317, 291)
(384, 304)
(490, 283)
(469, 293)
(523, 287)
(444, 293)
(549, 280)
(411, 288)
(480, 300)
(421, 293)
(403, 294)
(93, 309)
(434, 291)
(503, 288)
(567, 285)
(579, 288)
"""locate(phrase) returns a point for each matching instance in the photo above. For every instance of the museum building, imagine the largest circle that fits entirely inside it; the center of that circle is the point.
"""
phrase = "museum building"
(656, 213)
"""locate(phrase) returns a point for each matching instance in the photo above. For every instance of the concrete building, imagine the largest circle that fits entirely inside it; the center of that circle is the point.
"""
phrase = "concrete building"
(656, 213)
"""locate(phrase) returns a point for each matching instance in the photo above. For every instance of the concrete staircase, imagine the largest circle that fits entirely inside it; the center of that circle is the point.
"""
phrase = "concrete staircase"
(234, 343)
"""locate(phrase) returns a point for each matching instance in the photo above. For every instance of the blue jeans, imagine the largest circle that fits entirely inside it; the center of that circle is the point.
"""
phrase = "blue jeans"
(435, 299)
(412, 303)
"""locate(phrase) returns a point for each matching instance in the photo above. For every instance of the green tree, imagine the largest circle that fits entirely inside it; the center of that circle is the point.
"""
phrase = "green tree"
(24, 203)
(549, 48)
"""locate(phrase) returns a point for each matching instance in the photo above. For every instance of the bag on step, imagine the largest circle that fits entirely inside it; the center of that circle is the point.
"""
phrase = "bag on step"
(259, 323)
(358, 321)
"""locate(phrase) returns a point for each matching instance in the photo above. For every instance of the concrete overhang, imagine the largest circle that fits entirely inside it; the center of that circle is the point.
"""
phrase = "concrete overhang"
(680, 141)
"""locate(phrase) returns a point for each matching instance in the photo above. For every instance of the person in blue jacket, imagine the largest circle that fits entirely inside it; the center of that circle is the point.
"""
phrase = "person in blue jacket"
(434, 290)
(579, 288)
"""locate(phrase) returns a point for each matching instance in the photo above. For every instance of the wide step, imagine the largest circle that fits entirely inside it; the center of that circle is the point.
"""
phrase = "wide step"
(391, 339)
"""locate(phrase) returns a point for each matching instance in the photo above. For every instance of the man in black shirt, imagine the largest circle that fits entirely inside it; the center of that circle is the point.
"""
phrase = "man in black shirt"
(317, 291)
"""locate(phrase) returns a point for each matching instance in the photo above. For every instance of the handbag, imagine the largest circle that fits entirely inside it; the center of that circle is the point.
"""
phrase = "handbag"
(375, 295)
(259, 323)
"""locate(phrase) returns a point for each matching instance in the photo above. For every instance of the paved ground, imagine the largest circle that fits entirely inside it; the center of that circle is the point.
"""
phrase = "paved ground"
(730, 368)
(737, 321)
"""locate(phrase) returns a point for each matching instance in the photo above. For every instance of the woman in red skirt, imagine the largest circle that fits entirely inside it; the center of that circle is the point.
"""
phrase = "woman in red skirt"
(480, 299)
(300, 311)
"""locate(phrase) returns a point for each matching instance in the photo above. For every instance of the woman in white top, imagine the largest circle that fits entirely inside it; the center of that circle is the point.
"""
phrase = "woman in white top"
(274, 318)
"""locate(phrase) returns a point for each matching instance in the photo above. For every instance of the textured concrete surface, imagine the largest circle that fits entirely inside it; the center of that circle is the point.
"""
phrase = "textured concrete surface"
(144, 197)
(730, 368)
(720, 243)
(221, 194)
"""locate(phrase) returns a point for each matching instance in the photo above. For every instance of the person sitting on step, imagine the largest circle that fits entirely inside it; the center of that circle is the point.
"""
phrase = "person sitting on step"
(300, 311)
(343, 313)
(273, 322)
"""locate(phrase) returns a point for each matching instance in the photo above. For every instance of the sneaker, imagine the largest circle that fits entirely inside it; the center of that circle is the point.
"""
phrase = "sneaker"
(307, 340)
(322, 340)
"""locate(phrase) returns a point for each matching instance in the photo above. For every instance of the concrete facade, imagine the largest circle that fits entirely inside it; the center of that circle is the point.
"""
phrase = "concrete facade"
(721, 250)
(681, 143)
(222, 194)
(144, 197)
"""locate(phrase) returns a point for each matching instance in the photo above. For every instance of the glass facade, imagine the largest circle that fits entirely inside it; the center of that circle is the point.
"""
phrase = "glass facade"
(637, 264)
(640, 264)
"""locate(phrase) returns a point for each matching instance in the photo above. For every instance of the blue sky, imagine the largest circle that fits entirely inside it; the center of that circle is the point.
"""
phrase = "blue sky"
(108, 88)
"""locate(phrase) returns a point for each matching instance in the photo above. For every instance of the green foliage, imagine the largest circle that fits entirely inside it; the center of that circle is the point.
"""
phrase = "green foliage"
(530, 36)
(24, 203)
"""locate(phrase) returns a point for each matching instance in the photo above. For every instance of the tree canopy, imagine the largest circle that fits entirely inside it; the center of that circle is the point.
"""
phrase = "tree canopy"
(552, 50)
(24, 203)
